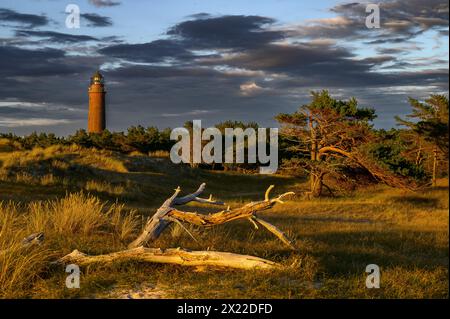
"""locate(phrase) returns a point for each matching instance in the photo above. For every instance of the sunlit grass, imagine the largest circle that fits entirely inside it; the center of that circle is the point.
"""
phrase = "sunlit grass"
(97, 202)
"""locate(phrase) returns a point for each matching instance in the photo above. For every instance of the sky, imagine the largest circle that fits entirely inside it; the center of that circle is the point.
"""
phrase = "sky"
(168, 62)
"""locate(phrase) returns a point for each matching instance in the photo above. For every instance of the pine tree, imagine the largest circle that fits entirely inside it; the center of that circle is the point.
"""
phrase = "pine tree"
(430, 125)
(324, 132)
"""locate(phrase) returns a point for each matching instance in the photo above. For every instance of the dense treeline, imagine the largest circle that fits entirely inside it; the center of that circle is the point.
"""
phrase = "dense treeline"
(327, 140)
(137, 138)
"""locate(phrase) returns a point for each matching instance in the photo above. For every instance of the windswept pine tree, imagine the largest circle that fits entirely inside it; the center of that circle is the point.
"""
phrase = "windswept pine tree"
(429, 128)
(329, 135)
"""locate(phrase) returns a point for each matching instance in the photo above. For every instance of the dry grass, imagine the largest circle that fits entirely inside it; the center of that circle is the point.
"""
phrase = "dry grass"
(159, 154)
(124, 223)
(7, 145)
(74, 217)
(406, 234)
(63, 157)
(105, 187)
(80, 214)
(19, 266)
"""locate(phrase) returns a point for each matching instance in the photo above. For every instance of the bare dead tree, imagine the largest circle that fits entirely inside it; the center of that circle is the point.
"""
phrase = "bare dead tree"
(167, 214)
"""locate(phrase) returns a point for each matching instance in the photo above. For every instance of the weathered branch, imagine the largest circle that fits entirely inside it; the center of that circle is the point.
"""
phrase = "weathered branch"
(167, 214)
(172, 256)
(157, 223)
(194, 198)
(274, 230)
(33, 239)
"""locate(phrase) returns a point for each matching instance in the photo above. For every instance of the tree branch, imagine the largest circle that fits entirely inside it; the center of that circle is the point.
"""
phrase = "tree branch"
(177, 256)
(166, 215)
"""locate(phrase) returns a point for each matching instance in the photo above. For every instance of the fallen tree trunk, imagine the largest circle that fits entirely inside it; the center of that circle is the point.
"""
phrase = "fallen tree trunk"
(172, 256)
(167, 214)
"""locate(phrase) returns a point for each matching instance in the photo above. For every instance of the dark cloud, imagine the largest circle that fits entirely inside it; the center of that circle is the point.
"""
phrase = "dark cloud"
(155, 51)
(21, 62)
(104, 3)
(397, 50)
(201, 15)
(24, 19)
(229, 32)
(96, 20)
(138, 72)
(55, 37)
(414, 63)
(225, 32)
(382, 40)
(332, 66)
(290, 58)
(378, 60)
(34, 110)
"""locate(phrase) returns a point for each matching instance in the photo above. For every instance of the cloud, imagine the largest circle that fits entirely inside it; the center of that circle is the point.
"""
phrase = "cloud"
(302, 60)
(244, 43)
(56, 37)
(231, 32)
(251, 89)
(8, 107)
(96, 20)
(26, 122)
(155, 51)
(24, 19)
(104, 3)
(401, 20)
(14, 114)
(201, 15)
(202, 33)
(130, 71)
(16, 62)
(398, 50)
(236, 67)
(190, 113)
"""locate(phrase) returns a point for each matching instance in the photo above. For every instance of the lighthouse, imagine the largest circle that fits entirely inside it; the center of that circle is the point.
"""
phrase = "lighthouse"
(96, 116)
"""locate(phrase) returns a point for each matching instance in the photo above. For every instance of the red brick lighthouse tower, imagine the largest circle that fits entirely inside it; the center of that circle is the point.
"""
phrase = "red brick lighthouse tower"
(96, 117)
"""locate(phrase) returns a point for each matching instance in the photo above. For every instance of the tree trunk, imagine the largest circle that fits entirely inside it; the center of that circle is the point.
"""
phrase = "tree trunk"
(177, 256)
(419, 155)
(316, 181)
(433, 181)
(315, 178)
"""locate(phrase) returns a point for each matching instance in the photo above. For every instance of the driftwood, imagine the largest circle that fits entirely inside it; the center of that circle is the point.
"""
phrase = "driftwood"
(33, 239)
(167, 214)
(172, 256)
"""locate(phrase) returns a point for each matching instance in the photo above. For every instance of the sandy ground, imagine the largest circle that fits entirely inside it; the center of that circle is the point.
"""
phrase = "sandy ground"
(144, 291)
